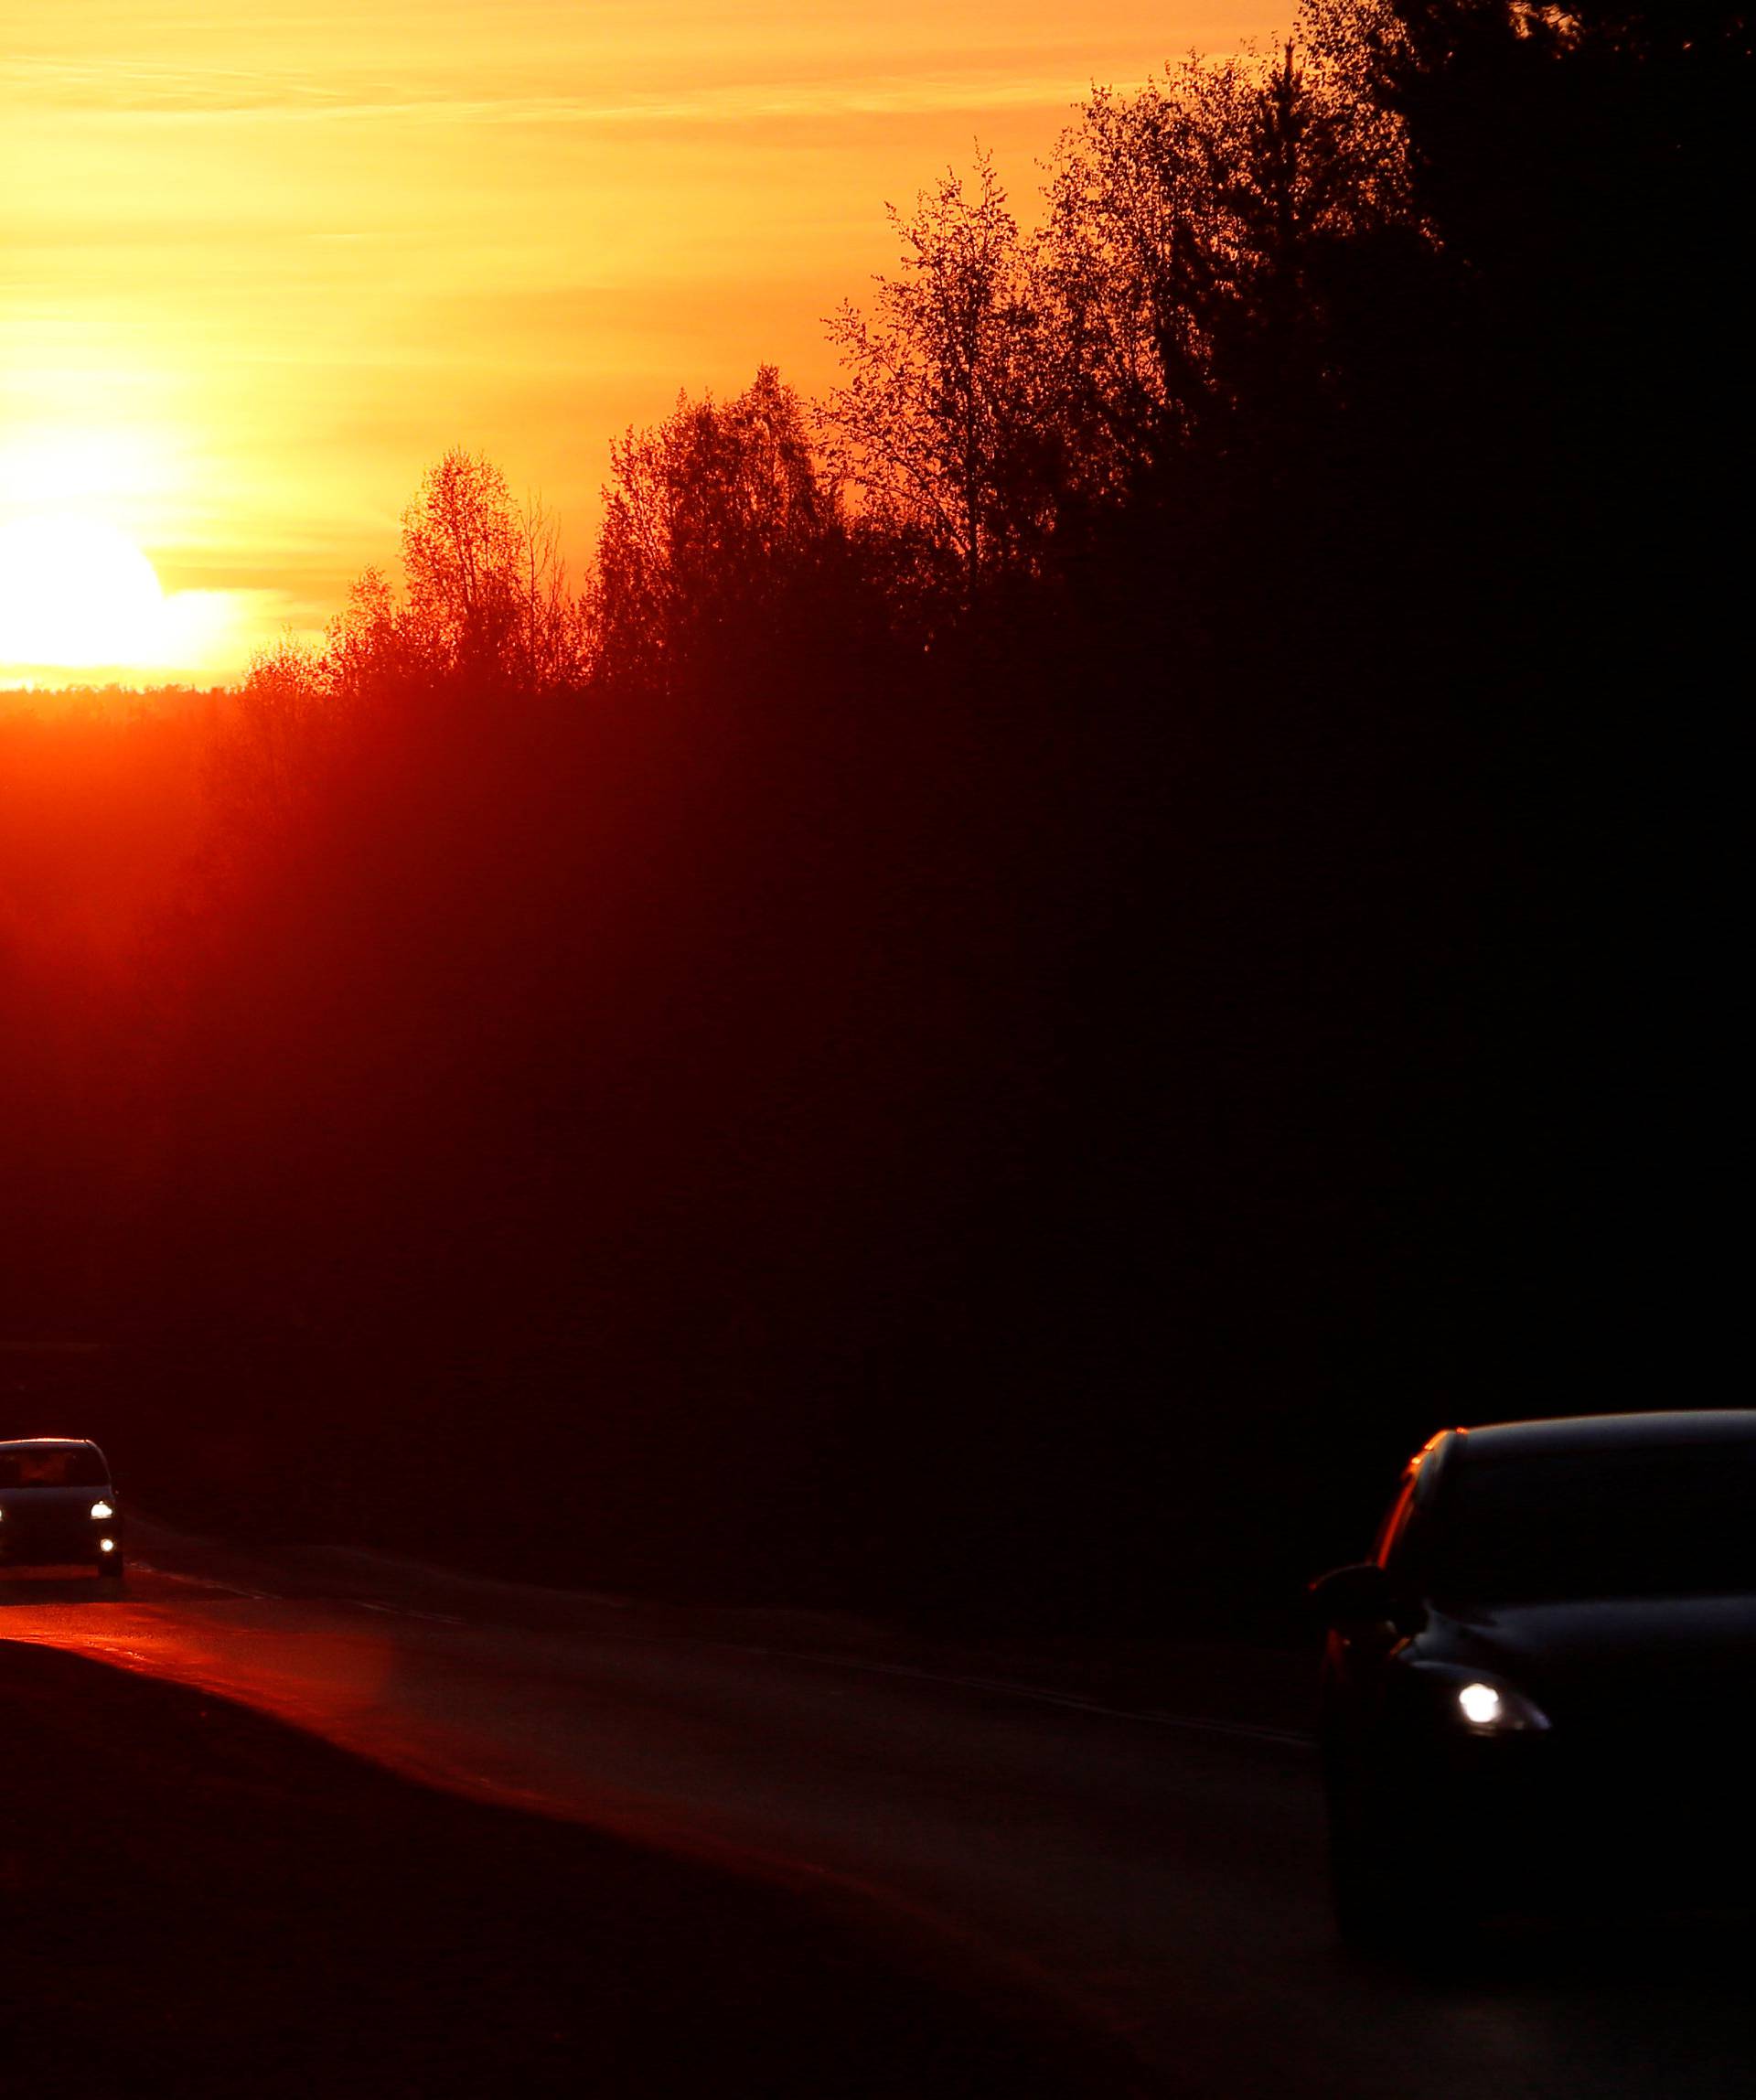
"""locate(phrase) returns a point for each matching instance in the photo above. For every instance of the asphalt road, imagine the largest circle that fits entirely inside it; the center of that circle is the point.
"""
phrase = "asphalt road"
(1160, 1874)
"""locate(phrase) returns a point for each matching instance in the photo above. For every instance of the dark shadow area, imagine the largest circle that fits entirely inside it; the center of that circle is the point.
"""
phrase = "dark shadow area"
(1604, 2003)
(194, 1900)
(1631, 1947)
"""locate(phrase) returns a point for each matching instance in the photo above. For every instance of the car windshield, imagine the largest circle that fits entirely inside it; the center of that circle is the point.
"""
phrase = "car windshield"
(52, 1465)
(1543, 1526)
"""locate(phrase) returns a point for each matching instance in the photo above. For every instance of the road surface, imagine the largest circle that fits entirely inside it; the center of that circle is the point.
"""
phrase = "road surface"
(1161, 1874)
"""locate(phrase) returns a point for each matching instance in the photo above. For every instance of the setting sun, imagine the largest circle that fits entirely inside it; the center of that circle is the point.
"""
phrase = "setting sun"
(75, 592)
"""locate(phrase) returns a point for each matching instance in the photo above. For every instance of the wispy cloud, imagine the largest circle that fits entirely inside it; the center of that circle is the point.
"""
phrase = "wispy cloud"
(228, 96)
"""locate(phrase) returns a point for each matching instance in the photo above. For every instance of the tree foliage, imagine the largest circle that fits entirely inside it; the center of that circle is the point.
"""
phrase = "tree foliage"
(708, 521)
(487, 598)
(948, 425)
(1004, 385)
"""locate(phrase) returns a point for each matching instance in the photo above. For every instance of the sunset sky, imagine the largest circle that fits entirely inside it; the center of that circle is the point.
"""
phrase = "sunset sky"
(263, 263)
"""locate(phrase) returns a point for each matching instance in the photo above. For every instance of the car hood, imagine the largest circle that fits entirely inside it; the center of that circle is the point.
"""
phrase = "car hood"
(1700, 1649)
(51, 1501)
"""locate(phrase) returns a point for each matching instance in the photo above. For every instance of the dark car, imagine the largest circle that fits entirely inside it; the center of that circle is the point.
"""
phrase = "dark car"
(58, 1505)
(1537, 1693)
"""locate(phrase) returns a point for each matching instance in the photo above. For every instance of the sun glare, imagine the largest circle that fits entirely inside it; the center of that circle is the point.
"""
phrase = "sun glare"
(75, 593)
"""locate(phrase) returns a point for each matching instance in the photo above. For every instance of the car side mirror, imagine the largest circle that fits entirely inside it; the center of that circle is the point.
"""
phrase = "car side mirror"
(1354, 1596)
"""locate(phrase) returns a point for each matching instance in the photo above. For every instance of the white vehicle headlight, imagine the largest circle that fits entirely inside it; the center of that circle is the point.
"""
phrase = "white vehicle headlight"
(101, 1510)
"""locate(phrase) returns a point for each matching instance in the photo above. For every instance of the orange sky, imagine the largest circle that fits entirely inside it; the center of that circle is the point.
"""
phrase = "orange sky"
(263, 263)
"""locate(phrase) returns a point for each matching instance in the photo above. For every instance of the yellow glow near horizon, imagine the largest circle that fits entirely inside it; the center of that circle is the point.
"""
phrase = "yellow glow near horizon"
(264, 265)
(79, 602)
(76, 593)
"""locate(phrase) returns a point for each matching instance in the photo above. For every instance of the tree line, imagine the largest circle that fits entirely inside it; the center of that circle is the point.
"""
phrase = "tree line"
(1045, 957)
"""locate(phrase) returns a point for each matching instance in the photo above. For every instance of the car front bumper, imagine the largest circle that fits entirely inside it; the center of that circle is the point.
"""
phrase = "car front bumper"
(1639, 1822)
(56, 1546)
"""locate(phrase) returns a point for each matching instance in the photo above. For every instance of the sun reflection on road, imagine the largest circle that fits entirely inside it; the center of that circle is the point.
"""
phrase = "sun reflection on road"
(332, 1681)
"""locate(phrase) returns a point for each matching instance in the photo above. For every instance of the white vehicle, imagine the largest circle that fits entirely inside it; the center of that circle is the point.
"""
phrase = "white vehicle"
(58, 1505)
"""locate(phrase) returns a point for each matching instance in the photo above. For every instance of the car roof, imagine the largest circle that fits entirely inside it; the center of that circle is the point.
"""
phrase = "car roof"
(46, 1443)
(1606, 1432)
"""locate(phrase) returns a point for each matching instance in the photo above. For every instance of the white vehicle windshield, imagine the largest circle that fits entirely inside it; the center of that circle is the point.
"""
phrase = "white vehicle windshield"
(1548, 1527)
(52, 1465)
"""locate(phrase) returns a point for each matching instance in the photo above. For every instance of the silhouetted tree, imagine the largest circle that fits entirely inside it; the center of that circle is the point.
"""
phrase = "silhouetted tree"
(709, 519)
(949, 427)
(487, 598)
(1183, 222)
(464, 562)
(372, 647)
(550, 636)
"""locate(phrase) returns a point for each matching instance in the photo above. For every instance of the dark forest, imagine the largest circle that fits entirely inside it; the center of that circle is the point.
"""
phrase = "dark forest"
(1043, 965)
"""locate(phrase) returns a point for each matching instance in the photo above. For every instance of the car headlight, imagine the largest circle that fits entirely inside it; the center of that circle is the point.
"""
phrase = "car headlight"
(101, 1510)
(1479, 1704)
